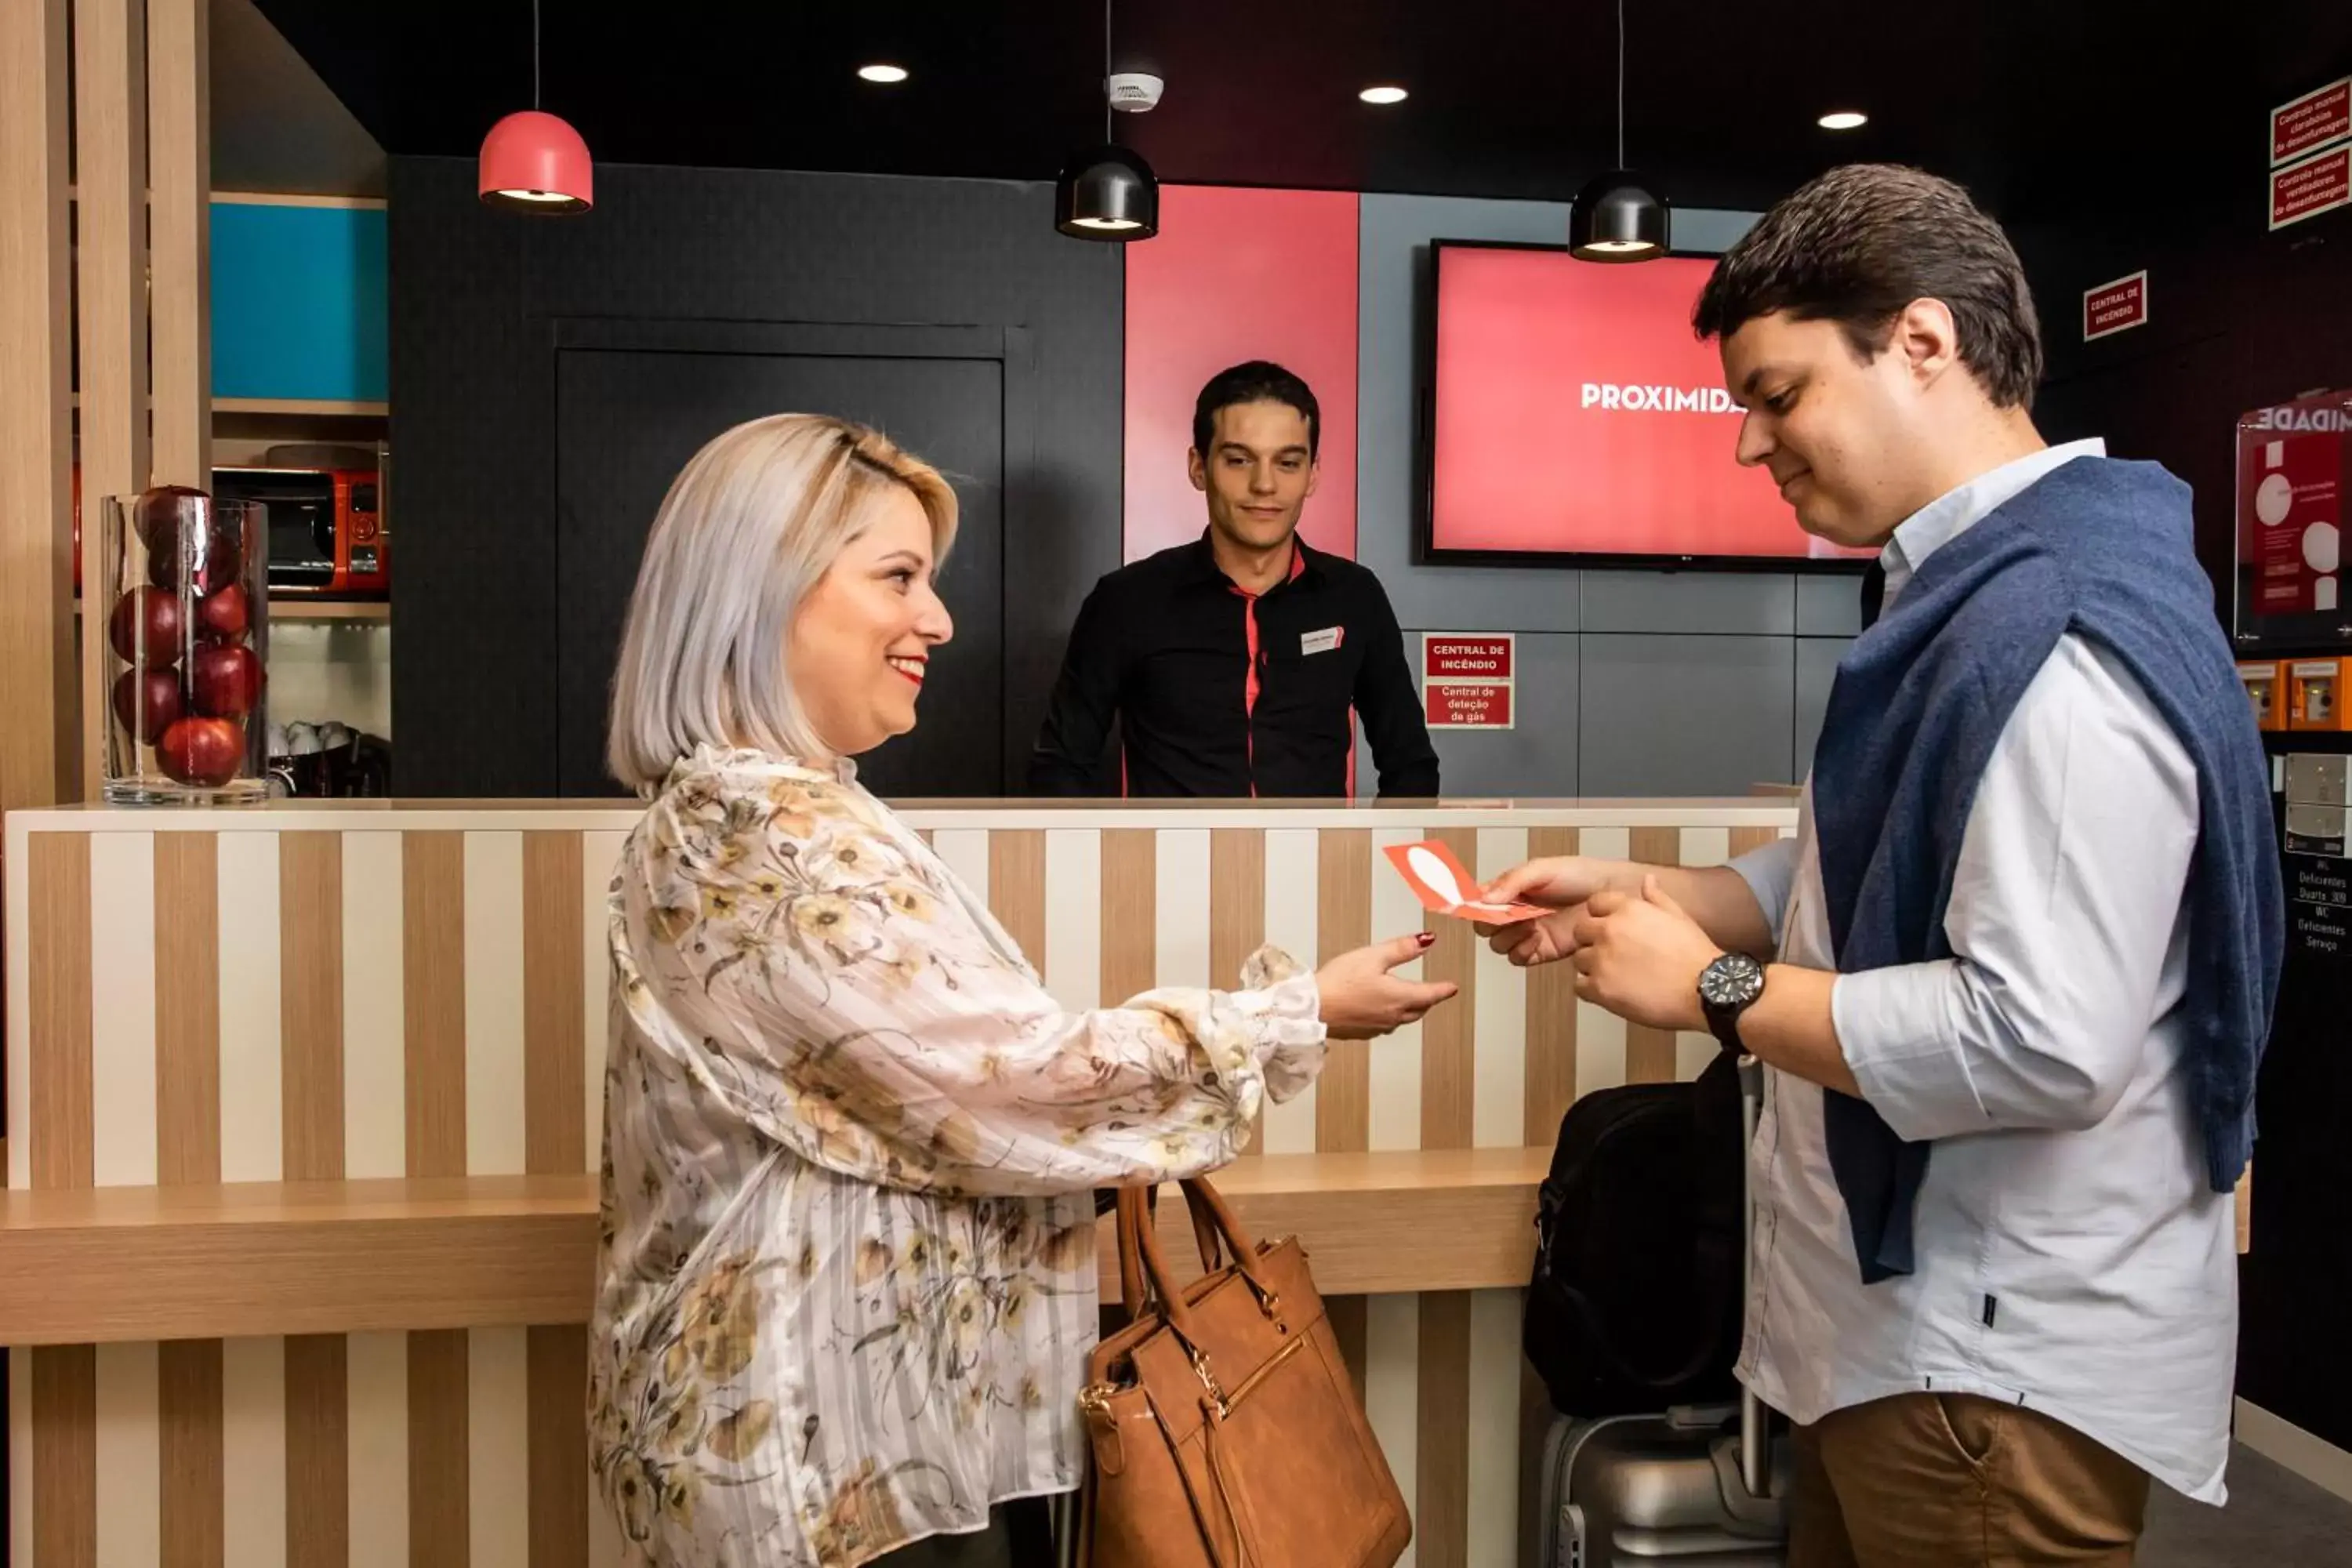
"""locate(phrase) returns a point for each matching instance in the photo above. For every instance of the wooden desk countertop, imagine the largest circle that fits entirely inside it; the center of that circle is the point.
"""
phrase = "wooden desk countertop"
(204, 1262)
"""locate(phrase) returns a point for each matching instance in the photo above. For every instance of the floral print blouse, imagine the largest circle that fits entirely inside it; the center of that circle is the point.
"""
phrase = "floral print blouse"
(848, 1272)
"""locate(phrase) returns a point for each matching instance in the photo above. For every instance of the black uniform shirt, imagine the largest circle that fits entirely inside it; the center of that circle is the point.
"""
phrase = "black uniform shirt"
(1220, 693)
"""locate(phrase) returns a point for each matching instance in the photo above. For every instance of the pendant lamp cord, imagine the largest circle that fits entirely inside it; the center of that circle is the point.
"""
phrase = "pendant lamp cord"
(1107, 136)
(534, 53)
(1620, 82)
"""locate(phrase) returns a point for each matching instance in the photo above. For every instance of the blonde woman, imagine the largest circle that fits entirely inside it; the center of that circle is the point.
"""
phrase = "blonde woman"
(847, 1274)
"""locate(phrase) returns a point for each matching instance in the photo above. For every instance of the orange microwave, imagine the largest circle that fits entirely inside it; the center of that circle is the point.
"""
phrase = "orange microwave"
(326, 527)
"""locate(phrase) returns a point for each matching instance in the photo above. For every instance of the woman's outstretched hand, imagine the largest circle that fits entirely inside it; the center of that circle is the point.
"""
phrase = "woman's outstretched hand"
(1362, 1000)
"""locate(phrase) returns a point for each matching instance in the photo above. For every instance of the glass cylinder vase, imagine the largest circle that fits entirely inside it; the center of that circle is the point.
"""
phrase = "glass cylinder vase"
(185, 595)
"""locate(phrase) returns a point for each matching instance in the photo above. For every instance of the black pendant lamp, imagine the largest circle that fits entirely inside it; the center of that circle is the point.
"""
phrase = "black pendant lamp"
(1110, 193)
(1617, 217)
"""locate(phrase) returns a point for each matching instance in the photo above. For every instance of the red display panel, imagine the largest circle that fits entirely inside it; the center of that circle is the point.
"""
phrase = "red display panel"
(1575, 414)
(2294, 472)
(1238, 275)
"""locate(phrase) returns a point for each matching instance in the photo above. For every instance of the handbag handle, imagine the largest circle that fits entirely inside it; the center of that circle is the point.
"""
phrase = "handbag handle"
(1143, 1267)
(1205, 1235)
(1143, 1264)
(1132, 1285)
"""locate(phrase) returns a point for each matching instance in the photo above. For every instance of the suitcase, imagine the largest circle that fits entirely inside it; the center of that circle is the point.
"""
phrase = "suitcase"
(1693, 1485)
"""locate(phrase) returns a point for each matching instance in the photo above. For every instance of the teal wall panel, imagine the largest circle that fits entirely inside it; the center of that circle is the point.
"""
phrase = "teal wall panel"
(299, 301)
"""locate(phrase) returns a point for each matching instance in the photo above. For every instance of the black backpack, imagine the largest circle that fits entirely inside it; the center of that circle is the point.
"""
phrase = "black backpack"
(1636, 1302)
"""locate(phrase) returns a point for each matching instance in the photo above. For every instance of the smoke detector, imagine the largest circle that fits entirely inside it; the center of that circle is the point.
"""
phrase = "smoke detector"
(1134, 92)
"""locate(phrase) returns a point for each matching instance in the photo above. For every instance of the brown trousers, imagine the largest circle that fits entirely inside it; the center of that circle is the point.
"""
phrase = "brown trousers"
(1952, 1480)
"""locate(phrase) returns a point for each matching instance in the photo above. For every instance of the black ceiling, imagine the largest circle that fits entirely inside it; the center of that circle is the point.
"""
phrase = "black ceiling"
(2035, 102)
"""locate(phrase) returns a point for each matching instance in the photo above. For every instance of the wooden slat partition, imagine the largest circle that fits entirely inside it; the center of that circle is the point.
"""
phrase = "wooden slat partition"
(65, 1379)
(179, 118)
(1343, 1097)
(187, 1011)
(110, 177)
(1650, 1053)
(1130, 878)
(1016, 888)
(38, 690)
(1236, 917)
(311, 1005)
(1551, 1070)
(433, 948)
(65, 1455)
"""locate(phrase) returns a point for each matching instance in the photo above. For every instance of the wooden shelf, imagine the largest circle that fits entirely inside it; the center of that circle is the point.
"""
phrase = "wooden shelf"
(303, 407)
(364, 611)
(112, 1263)
(367, 611)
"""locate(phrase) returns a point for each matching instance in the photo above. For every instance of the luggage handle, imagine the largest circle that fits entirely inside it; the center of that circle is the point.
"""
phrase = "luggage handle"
(1753, 1466)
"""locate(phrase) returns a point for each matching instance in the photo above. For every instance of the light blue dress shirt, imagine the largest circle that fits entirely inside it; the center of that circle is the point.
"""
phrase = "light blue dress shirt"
(2070, 1255)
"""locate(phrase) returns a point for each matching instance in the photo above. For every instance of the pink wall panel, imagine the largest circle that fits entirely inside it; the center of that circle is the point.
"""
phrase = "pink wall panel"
(1237, 275)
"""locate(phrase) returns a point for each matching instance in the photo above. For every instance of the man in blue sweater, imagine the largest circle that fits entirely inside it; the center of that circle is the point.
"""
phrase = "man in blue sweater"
(2012, 979)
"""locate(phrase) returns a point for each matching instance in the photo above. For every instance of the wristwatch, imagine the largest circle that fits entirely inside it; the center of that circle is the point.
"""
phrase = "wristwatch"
(1727, 988)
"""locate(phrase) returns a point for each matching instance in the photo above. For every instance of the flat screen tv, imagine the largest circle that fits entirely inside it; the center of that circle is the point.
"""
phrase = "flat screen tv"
(1573, 418)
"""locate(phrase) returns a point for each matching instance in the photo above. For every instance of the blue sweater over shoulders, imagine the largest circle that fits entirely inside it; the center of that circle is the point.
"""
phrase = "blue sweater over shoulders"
(2103, 550)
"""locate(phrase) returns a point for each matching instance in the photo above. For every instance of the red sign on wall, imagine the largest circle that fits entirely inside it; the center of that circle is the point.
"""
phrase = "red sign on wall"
(1468, 704)
(2321, 182)
(1465, 679)
(2115, 307)
(2315, 119)
(1447, 655)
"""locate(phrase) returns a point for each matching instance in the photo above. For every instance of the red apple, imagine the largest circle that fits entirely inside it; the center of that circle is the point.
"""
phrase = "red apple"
(212, 567)
(226, 680)
(163, 511)
(146, 702)
(202, 750)
(223, 614)
(145, 628)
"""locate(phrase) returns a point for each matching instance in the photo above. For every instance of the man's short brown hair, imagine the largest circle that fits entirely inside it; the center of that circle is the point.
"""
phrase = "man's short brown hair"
(1858, 244)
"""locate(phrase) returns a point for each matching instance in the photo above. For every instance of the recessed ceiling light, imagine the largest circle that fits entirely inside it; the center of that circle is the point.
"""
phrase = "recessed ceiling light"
(1843, 119)
(886, 75)
(1383, 95)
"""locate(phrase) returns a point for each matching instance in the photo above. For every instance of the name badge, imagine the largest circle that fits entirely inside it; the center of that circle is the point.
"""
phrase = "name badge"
(1323, 641)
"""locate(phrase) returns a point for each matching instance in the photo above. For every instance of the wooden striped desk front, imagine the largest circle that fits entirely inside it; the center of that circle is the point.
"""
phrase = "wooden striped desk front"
(414, 992)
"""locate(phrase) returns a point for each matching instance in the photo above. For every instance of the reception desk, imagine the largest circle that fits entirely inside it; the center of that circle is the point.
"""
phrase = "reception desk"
(303, 1108)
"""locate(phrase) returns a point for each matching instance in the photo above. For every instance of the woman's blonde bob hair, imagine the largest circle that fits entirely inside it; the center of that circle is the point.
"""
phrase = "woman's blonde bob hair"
(748, 527)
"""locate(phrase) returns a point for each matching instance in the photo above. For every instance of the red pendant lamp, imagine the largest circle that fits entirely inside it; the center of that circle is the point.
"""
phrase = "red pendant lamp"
(533, 161)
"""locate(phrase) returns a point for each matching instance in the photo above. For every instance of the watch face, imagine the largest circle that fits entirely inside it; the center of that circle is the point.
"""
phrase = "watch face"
(1732, 980)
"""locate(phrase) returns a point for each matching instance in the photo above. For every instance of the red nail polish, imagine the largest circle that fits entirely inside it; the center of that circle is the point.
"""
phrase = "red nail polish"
(1426, 938)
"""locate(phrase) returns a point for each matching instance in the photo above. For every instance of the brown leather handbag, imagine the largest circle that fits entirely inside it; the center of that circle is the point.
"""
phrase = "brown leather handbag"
(1224, 1429)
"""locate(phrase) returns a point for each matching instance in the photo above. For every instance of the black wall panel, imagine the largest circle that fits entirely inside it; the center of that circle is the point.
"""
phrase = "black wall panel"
(480, 299)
